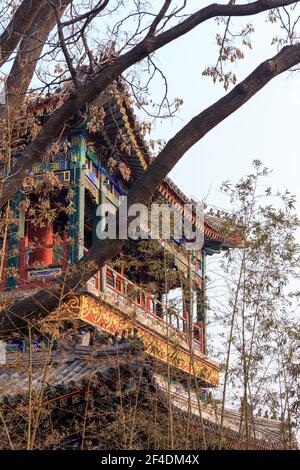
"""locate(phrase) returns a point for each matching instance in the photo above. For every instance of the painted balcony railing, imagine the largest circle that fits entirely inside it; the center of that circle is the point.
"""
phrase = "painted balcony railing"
(165, 319)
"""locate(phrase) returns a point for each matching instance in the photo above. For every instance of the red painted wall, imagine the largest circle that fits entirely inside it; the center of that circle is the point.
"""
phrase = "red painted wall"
(42, 237)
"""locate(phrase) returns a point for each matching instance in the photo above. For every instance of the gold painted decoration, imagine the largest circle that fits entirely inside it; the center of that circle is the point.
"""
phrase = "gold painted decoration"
(111, 320)
(69, 310)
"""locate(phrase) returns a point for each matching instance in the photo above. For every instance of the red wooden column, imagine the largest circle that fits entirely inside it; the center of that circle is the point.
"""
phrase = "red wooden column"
(65, 260)
(22, 261)
(42, 238)
(198, 334)
(4, 266)
(201, 339)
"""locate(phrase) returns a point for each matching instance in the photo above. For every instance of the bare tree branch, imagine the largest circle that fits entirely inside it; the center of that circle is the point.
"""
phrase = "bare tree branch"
(158, 18)
(94, 12)
(63, 43)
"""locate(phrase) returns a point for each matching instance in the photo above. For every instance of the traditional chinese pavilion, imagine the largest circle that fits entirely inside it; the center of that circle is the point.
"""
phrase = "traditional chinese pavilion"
(99, 158)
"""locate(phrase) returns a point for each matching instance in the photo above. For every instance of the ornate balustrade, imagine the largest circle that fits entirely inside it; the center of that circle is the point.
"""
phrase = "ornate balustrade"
(165, 319)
